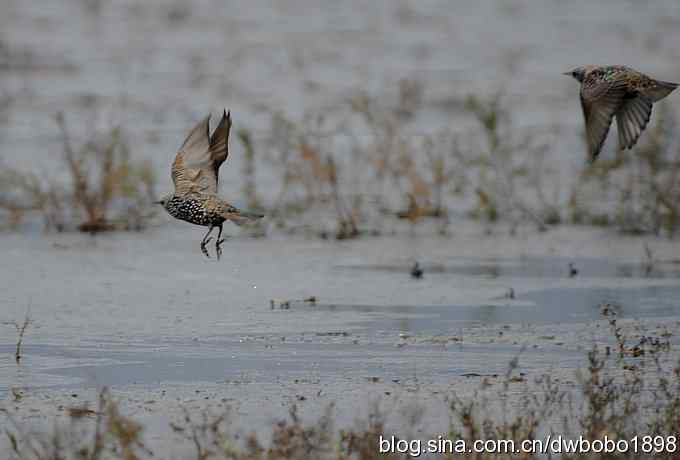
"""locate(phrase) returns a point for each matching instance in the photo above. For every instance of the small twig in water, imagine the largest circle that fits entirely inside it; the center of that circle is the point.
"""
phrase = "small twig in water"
(21, 329)
(649, 260)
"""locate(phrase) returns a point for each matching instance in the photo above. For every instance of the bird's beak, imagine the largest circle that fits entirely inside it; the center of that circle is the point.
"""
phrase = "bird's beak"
(568, 74)
(157, 202)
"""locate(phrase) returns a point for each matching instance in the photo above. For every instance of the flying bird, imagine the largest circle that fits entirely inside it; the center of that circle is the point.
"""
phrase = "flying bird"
(615, 90)
(195, 173)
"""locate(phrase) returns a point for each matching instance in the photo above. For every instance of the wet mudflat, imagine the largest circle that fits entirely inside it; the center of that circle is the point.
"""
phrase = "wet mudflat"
(123, 312)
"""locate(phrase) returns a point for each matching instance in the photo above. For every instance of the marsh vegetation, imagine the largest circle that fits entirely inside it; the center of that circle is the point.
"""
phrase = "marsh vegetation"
(628, 386)
(105, 188)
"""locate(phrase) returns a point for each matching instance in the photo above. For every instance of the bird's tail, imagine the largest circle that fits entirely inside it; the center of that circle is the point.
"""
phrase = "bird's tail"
(241, 218)
(662, 89)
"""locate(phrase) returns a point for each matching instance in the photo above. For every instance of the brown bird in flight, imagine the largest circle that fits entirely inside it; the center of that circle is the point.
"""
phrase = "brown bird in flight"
(195, 173)
(608, 91)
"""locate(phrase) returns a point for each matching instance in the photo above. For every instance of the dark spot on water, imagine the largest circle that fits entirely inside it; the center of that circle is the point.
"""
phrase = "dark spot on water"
(537, 267)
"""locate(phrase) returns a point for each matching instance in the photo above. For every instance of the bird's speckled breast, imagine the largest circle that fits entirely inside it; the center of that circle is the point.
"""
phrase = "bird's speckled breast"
(193, 211)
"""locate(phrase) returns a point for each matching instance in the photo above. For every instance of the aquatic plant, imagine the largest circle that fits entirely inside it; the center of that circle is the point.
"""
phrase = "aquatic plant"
(21, 329)
(360, 165)
(107, 189)
(504, 164)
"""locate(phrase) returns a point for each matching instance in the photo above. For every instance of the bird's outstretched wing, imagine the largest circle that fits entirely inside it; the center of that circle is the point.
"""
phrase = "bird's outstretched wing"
(660, 89)
(632, 119)
(196, 166)
(600, 100)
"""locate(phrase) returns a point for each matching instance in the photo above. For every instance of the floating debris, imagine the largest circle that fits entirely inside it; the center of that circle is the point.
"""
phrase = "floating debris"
(17, 394)
(443, 340)
(333, 334)
(286, 304)
(573, 271)
(281, 304)
(80, 412)
(416, 271)
(475, 374)
(609, 309)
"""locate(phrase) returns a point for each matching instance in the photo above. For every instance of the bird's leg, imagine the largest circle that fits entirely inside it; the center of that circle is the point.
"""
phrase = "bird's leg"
(206, 240)
(218, 243)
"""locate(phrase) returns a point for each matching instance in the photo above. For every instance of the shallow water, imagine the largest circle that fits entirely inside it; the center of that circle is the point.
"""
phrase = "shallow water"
(149, 317)
(258, 363)
(364, 347)
(549, 306)
(122, 310)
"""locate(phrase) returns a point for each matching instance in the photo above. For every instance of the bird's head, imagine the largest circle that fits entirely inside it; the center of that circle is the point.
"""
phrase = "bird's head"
(163, 201)
(578, 73)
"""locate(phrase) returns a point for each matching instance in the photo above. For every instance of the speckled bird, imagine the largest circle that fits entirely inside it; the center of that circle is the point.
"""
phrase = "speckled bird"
(195, 173)
(615, 90)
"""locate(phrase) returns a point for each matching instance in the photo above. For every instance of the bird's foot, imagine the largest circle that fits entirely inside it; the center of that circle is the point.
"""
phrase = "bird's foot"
(218, 247)
(204, 250)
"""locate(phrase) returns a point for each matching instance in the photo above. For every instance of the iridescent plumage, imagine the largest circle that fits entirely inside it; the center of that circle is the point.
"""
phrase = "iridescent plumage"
(608, 91)
(195, 173)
